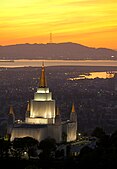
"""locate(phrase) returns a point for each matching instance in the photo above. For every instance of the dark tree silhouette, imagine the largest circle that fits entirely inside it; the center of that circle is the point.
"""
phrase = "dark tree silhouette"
(98, 132)
(48, 146)
(25, 144)
(4, 148)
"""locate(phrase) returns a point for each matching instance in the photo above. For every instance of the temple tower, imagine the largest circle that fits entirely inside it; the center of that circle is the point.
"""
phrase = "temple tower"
(11, 120)
(42, 107)
(11, 115)
(73, 115)
(58, 117)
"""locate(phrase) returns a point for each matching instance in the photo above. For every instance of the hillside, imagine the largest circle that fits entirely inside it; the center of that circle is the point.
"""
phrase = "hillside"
(66, 50)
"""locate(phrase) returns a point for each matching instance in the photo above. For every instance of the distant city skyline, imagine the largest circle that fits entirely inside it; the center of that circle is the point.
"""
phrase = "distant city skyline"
(88, 22)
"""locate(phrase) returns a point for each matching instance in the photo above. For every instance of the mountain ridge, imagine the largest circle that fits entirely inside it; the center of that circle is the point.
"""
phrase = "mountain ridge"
(63, 50)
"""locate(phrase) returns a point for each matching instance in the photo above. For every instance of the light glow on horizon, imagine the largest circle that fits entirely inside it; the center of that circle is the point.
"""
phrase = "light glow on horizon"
(89, 22)
(93, 75)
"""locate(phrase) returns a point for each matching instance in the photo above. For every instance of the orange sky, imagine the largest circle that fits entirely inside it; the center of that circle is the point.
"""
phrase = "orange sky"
(88, 22)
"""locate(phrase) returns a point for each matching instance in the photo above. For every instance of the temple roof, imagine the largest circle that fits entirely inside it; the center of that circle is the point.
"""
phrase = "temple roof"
(27, 125)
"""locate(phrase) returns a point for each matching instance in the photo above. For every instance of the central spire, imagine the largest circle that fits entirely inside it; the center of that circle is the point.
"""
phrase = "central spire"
(43, 82)
(73, 108)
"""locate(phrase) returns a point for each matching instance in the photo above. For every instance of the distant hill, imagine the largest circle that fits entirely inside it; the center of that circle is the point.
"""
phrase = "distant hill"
(66, 50)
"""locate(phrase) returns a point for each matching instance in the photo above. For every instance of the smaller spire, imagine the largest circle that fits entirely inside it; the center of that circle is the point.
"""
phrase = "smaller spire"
(57, 117)
(11, 111)
(11, 116)
(28, 110)
(57, 111)
(43, 82)
(28, 107)
(73, 114)
(73, 108)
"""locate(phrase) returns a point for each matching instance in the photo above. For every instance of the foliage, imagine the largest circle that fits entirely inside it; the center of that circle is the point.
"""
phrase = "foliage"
(48, 146)
(24, 144)
(98, 132)
(4, 147)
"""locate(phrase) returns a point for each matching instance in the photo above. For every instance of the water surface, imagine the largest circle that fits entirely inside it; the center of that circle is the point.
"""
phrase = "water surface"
(38, 63)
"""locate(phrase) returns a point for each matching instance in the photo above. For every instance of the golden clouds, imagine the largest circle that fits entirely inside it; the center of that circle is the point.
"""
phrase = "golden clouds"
(69, 20)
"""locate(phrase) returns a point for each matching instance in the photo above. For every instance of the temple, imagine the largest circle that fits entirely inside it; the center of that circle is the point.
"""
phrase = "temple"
(42, 107)
(43, 119)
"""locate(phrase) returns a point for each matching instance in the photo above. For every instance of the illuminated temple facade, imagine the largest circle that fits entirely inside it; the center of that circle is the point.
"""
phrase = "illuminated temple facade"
(43, 119)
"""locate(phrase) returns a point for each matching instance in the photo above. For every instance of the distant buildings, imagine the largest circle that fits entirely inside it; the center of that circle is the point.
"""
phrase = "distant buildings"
(115, 82)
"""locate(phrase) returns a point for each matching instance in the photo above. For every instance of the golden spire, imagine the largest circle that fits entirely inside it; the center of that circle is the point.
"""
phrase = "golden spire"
(73, 108)
(57, 117)
(42, 78)
(11, 110)
(57, 111)
(28, 107)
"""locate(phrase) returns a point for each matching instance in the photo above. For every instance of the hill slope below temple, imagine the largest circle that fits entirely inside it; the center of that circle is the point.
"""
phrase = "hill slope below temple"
(66, 50)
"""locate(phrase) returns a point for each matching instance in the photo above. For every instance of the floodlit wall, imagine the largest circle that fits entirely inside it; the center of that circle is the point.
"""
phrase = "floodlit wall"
(55, 131)
(45, 109)
(36, 120)
(37, 133)
(71, 131)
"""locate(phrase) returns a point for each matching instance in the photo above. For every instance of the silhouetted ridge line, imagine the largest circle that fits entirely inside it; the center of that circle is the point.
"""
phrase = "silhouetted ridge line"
(65, 50)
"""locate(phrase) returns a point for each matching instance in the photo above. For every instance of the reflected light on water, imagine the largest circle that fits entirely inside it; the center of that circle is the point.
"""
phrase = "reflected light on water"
(93, 75)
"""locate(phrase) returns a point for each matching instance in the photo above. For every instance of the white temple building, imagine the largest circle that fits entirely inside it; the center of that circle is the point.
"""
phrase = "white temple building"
(43, 119)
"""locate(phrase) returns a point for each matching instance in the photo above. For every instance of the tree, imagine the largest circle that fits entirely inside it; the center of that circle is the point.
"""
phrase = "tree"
(25, 144)
(103, 138)
(113, 139)
(48, 146)
(98, 132)
(4, 147)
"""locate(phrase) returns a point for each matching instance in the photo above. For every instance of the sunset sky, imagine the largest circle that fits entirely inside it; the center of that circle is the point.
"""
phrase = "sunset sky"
(88, 22)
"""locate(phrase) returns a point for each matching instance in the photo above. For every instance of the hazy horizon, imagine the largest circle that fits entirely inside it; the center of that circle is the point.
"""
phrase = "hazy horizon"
(38, 63)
